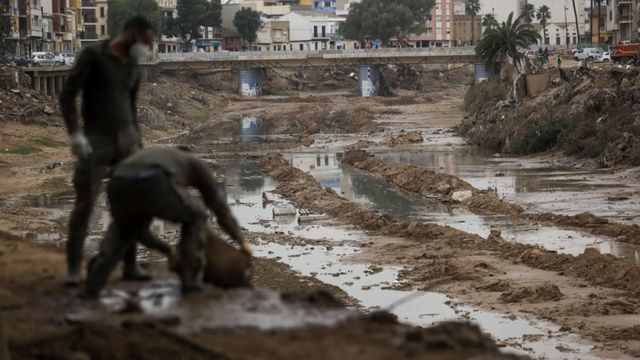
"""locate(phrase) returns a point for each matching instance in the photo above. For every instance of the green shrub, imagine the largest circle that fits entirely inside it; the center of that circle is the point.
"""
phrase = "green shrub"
(486, 94)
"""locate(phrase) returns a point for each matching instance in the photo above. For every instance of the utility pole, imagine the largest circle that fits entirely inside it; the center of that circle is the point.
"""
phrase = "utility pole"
(591, 22)
(566, 26)
(599, 18)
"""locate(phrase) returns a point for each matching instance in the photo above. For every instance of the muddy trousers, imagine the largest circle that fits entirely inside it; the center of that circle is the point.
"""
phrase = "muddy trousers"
(134, 204)
(87, 181)
(4, 348)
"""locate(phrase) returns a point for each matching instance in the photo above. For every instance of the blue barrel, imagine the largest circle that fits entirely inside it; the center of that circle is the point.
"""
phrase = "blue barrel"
(369, 80)
(249, 82)
(482, 72)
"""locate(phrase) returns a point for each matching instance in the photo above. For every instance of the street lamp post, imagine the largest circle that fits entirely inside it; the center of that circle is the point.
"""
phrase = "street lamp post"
(566, 27)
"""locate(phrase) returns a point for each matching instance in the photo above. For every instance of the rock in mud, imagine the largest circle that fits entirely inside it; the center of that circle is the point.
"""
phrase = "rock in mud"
(411, 137)
(532, 294)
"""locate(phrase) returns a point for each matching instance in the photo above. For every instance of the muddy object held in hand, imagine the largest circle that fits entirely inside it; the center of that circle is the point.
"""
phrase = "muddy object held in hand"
(227, 267)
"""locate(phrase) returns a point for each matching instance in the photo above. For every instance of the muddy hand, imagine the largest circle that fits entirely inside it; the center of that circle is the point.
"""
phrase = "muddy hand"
(173, 259)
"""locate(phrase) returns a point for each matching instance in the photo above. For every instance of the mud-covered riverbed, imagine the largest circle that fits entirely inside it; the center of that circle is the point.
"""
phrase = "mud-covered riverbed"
(521, 296)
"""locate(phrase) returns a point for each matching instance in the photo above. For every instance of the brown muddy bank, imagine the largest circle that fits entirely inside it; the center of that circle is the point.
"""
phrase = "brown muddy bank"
(307, 193)
(42, 320)
(442, 258)
(451, 189)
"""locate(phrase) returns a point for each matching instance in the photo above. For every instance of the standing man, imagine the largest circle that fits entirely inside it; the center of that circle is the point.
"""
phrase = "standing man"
(109, 77)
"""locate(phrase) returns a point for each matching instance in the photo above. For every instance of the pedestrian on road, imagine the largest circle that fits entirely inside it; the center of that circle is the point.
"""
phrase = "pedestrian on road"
(108, 76)
(154, 183)
(559, 61)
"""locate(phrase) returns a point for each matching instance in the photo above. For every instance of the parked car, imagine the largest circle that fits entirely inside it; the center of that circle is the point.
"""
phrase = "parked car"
(589, 54)
(43, 58)
(16, 59)
(605, 57)
(66, 58)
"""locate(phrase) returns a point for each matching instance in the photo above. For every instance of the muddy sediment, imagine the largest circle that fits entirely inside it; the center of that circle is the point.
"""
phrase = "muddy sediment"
(449, 188)
(43, 320)
(305, 192)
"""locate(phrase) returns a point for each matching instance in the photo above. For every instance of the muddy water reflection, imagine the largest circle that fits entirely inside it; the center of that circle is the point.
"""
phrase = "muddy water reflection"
(542, 185)
(373, 191)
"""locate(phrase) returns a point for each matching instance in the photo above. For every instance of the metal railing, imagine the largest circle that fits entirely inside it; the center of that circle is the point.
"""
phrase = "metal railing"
(283, 55)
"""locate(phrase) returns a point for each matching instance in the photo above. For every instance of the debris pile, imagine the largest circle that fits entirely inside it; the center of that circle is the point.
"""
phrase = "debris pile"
(19, 103)
(590, 113)
(410, 137)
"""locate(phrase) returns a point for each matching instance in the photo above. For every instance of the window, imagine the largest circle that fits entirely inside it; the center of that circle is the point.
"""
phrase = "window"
(327, 4)
(557, 40)
(315, 31)
(316, 46)
(324, 31)
(102, 11)
(610, 15)
(301, 47)
(102, 30)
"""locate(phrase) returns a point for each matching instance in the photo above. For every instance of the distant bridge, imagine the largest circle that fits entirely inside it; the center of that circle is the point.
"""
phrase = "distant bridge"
(299, 59)
(49, 80)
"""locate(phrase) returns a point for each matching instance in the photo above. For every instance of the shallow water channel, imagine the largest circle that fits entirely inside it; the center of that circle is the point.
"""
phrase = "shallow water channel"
(371, 287)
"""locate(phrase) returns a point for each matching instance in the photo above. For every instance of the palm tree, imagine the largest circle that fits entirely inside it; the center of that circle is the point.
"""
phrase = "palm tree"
(528, 12)
(507, 40)
(489, 22)
(543, 14)
(575, 13)
(473, 8)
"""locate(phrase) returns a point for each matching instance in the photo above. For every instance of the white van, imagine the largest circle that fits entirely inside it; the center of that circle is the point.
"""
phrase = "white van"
(589, 54)
(41, 58)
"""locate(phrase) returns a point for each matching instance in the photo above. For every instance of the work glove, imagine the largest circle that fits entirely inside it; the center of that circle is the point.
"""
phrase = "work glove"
(245, 247)
(80, 146)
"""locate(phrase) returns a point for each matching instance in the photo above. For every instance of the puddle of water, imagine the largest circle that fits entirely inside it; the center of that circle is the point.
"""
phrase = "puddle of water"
(544, 185)
(217, 309)
(356, 186)
(251, 129)
(372, 291)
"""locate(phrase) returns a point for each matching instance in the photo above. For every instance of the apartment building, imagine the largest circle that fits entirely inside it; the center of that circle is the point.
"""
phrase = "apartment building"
(622, 19)
(438, 31)
(94, 18)
(599, 32)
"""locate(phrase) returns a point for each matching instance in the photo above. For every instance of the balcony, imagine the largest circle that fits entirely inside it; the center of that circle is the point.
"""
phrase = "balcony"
(23, 11)
(90, 19)
(88, 36)
(88, 3)
(625, 18)
(330, 36)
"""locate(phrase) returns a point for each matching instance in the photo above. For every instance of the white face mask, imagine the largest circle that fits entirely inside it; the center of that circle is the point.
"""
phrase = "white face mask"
(139, 51)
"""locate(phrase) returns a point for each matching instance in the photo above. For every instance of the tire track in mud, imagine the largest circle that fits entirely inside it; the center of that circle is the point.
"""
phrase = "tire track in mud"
(451, 189)
(591, 266)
